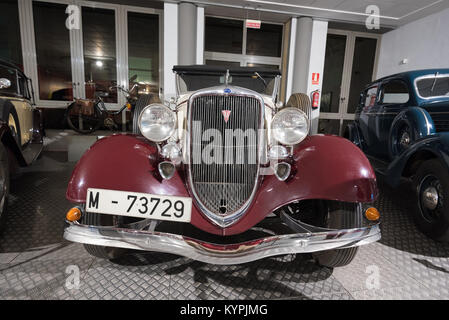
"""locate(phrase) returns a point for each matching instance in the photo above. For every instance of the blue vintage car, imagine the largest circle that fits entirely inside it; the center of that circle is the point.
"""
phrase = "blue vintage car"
(402, 125)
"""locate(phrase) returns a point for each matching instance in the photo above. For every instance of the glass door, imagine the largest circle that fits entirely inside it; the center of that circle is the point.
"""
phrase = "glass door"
(69, 60)
(143, 51)
(99, 53)
(331, 96)
(349, 66)
(53, 54)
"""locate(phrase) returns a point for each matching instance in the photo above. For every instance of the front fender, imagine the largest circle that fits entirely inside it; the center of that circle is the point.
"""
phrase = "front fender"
(436, 145)
(327, 167)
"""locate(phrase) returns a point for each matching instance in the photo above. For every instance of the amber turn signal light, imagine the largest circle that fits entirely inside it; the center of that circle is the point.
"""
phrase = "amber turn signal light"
(372, 214)
(73, 214)
(128, 106)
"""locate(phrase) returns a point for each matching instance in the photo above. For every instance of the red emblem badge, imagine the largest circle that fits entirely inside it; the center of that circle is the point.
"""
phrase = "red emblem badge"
(226, 114)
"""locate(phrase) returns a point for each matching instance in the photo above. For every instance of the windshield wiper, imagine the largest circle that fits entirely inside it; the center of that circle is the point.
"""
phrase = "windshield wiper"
(434, 82)
(260, 77)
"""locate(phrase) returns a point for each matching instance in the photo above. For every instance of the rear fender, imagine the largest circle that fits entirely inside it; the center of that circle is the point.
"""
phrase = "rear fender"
(325, 167)
(417, 119)
(420, 120)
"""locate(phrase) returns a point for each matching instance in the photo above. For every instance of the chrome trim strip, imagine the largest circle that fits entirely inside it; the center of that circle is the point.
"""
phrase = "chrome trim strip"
(225, 221)
(221, 254)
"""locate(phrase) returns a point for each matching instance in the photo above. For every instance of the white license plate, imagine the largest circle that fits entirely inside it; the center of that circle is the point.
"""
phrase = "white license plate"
(139, 205)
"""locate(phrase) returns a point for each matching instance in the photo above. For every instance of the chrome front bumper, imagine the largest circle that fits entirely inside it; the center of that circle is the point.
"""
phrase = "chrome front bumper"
(303, 242)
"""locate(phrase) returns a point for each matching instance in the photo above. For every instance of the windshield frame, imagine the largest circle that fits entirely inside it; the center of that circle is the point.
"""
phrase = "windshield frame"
(430, 76)
(274, 94)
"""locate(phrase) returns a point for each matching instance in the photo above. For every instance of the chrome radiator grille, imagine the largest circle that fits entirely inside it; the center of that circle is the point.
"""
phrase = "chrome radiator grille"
(440, 120)
(224, 154)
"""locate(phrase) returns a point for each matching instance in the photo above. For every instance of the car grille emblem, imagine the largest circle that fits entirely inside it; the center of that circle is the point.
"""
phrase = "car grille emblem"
(226, 114)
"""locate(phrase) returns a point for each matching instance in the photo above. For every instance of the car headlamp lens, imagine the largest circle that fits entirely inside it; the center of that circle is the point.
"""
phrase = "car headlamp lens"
(290, 126)
(157, 122)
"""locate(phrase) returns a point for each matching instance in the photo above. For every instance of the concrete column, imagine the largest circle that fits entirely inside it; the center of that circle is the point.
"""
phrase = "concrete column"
(183, 40)
(316, 64)
(200, 35)
(187, 33)
(304, 28)
(308, 58)
(170, 48)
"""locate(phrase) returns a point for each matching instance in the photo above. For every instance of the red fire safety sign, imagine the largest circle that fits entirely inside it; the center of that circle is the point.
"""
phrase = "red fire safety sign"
(315, 78)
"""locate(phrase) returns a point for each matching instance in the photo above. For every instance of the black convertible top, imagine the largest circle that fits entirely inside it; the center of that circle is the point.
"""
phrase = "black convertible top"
(7, 64)
(208, 69)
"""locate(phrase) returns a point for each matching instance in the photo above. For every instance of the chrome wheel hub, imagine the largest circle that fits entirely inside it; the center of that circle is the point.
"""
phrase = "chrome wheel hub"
(404, 141)
(429, 198)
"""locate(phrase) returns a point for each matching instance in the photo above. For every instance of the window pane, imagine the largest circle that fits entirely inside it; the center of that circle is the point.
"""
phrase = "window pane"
(266, 41)
(395, 92)
(326, 126)
(362, 69)
(433, 87)
(10, 45)
(333, 70)
(53, 51)
(143, 49)
(223, 35)
(222, 63)
(370, 97)
(100, 62)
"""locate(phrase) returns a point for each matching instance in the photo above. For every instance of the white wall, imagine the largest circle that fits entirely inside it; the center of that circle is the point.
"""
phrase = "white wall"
(424, 43)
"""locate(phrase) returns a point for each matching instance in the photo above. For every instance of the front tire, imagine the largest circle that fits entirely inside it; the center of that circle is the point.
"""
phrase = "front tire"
(431, 213)
(95, 219)
(340, 215)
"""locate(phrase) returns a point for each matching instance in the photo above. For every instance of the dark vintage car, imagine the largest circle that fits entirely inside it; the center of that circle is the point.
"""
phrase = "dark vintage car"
(21, 131)
(224, 175)
(402, 125)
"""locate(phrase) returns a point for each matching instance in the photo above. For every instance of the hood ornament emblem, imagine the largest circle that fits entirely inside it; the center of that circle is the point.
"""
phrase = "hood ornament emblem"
(226, 114)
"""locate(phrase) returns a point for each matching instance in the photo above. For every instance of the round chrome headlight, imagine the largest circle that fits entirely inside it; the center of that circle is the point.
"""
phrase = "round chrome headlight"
(290, 126)
(157, 122)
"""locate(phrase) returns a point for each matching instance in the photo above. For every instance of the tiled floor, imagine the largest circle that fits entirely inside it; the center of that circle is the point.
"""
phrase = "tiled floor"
(36, 263)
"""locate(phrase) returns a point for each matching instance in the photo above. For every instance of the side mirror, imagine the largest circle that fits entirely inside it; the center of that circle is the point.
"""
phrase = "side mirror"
(5, 83)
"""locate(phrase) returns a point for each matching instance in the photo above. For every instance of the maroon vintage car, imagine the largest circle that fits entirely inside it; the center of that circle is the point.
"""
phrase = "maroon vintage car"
(223, 174)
